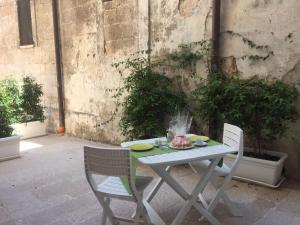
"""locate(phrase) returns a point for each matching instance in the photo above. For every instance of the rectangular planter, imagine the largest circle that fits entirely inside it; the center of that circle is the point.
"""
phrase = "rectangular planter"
(260, 170)
(30, 129)
(9, 148)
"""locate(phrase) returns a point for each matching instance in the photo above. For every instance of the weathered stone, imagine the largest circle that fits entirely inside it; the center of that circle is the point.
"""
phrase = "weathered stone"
(107, 5)
(187, 7)
(228, 66)
(110, 17)
(113, 32)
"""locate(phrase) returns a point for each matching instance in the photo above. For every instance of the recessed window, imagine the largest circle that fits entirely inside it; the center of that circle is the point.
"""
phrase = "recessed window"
(25, 23)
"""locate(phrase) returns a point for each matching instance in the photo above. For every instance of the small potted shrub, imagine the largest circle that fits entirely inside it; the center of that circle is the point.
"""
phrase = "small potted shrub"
(9, 143)
(31, 118)
(263, 109)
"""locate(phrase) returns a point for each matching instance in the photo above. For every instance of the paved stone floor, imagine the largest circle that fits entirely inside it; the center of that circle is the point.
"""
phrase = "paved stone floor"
(47, 186)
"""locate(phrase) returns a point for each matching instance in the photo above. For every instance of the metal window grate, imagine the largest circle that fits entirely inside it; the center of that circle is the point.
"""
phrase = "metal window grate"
(25, 23)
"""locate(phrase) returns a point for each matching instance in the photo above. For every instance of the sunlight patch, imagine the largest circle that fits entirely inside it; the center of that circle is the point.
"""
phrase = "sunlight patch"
(27, 146)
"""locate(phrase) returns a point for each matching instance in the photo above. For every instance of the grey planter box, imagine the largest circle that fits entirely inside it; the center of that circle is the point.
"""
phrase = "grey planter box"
(259, 170)
(9, 148)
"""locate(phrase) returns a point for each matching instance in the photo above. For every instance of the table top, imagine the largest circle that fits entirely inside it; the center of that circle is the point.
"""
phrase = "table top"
(184, 156)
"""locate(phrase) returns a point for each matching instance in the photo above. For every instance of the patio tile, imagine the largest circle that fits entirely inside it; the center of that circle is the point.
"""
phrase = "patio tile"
(251, 212)
(291, 185)
(290, 204)
(95, 220)
(10, 222)
(4, 215)
(47, 186)
(279, 218)
(91, 214)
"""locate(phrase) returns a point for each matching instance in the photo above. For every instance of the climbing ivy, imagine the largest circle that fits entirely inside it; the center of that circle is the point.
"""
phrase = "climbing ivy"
(251, 44)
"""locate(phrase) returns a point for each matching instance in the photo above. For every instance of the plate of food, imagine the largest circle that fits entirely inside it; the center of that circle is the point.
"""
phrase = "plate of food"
(180, 142)
(141, 147)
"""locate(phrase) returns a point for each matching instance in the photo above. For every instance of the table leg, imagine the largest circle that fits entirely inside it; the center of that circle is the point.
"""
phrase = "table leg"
(153, 215)
(157, 186)
(191, 200)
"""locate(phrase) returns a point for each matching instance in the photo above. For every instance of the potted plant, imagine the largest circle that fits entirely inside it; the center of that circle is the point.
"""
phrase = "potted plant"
(263, 109)
(31, 120)
(9, 143)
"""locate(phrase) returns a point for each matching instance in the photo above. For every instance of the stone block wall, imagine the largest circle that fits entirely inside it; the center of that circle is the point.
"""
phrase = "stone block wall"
(37, 61)
(94, 35)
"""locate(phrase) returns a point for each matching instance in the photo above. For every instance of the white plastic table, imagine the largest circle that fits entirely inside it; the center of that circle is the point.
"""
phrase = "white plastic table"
(161, 164)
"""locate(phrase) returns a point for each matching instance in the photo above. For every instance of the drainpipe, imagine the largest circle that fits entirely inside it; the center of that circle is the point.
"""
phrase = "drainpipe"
(149, 32)
(59, 71)
(215, 55)
(215, 60)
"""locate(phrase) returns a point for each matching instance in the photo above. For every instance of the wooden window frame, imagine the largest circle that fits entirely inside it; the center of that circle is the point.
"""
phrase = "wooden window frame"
(26, 34)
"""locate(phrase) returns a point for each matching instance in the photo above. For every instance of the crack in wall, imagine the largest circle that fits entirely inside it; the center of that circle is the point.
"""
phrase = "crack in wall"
(205, 22)
(179, 4)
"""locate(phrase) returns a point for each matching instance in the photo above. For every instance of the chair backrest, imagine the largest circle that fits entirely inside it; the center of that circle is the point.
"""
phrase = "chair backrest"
(107, 161)
(233, 136)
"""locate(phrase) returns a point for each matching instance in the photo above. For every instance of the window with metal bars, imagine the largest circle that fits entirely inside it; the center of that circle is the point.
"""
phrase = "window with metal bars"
(25, 22)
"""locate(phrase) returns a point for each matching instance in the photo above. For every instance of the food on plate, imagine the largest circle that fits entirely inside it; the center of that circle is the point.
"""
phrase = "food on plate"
(180, 141)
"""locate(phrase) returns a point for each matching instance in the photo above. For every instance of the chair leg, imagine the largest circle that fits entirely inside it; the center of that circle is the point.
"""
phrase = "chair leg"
(145, 215)
(104, 213)
(141, 210)
(234, 211)
(104, 218)
(137, 214)
(107, 213)
(213, 203)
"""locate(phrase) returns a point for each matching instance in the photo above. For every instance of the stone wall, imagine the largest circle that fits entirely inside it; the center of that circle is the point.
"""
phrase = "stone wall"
(37, 61)
(96, 33)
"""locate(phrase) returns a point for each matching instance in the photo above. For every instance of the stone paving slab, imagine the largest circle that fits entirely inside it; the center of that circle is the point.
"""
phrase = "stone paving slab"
(47, 186)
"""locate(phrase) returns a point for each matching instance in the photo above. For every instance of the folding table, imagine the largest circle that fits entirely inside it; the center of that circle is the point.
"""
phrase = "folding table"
(162, 163)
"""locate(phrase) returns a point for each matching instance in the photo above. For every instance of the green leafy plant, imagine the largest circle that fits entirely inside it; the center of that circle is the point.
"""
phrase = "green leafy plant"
(262, 108)
(32, 109)
(208, 98)
(148, 98)
(5, 129)
(11, 99)
(22, 102)
(188, 55)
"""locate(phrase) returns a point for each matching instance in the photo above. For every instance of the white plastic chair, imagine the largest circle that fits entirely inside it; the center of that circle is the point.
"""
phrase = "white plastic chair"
(115, 163)
(233, 137)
